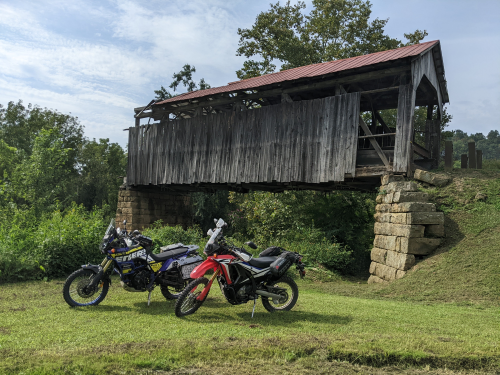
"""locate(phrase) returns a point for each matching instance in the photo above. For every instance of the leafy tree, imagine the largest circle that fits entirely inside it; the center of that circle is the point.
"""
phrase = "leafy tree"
(185, 76)
(102, 166)
(334, 29)
(42, 179)
(21, 125)
(489, 145)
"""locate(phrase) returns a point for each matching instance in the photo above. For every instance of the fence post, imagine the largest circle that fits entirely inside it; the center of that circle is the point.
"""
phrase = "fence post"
(463, 161)
(448, 156)
(472, 155)
(479, 159)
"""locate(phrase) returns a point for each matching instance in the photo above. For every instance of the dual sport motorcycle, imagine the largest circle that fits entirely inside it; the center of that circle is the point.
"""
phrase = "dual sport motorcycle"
(242, 277)
(140, 270)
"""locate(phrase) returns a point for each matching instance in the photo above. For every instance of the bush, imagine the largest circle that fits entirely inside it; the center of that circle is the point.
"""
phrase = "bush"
(56, 245)
(165, 235)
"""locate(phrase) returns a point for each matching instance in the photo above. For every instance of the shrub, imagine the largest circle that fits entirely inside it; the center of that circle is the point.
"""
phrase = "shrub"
(165, 235)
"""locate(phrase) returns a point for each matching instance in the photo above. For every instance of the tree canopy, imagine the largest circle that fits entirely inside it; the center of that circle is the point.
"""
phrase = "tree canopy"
(184, 77)
(334, 29)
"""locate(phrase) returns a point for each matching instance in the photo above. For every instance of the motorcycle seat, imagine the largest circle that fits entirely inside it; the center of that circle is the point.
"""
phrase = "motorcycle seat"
(168, 254)
(262, 262)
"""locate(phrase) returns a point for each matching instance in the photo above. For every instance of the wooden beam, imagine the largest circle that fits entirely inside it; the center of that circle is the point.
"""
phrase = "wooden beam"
(378, 135)
(419, 150)
(369, 92)
(278, 91)
(373, 142)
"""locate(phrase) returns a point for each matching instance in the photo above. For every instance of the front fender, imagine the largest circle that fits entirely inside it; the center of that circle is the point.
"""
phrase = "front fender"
(200, 270)
(95, 268)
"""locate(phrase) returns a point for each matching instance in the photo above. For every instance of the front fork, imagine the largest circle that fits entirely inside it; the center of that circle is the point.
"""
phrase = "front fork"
(205, 290)
(106, 263)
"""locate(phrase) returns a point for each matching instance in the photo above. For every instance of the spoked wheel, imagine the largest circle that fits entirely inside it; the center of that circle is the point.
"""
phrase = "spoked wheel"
(76, 290)
(169, 292)
(187, 303)
(289, 292)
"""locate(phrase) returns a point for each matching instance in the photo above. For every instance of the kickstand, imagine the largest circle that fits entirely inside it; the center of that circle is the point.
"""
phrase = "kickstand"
(149, 297)
(253, 306)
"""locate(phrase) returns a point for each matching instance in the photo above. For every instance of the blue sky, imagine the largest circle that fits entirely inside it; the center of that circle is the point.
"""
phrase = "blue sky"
(100, 59)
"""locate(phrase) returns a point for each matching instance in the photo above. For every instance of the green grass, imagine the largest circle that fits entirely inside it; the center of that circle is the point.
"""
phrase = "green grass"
(441, 318)
(40, 334)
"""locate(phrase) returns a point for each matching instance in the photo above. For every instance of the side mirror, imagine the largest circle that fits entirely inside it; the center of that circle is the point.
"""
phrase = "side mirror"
(210, 232)
(215, 221)
(251, 245)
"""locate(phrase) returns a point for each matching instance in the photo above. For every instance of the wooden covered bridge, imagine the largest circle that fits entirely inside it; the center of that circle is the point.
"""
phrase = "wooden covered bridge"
(296, 129)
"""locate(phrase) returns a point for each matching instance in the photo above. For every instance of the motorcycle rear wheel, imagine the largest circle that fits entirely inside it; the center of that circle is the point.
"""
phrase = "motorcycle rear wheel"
(169, 292)
(187, 303)
(75, 290)
(290, 295)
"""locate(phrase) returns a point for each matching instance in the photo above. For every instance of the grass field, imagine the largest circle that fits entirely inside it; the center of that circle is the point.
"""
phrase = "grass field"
(442, 318)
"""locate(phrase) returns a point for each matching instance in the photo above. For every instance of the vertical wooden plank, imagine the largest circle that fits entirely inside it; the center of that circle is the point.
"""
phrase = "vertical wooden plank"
(463, 161)
(472, 155)
(289, 142)
(448, 156)
(318, 106)
(354, 113)
(404, 128)
(479, 159)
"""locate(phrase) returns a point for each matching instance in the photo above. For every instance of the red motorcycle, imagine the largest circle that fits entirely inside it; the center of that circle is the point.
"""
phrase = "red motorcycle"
(242, 277)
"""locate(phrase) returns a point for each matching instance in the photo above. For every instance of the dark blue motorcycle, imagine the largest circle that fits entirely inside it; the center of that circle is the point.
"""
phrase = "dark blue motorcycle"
(140, 270)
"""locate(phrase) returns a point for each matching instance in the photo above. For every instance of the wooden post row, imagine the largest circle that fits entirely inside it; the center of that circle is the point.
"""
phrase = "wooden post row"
(479, 159)
(463, 161)
(472, 155)
(448, 155)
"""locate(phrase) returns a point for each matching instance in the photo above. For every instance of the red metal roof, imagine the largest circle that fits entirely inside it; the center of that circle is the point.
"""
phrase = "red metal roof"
(309, 71)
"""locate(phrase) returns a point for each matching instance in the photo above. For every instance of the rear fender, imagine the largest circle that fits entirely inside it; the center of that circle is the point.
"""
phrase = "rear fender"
(200, 270)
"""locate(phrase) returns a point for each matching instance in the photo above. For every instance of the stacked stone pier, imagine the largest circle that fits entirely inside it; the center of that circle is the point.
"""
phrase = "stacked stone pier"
(143, 206)
(406, 225)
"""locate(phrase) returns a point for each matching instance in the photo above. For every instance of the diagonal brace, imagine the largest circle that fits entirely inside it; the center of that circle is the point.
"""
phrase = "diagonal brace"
(374, 143)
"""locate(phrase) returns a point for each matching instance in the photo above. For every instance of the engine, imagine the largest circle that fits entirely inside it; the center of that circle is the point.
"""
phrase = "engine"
(141, 280)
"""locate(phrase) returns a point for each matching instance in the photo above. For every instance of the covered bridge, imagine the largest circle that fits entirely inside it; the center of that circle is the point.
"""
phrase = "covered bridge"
(298, 128)
(295, 129)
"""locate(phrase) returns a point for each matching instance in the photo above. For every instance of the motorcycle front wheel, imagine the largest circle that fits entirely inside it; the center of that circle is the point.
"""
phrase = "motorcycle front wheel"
(187, 303)
(76, 289)
(289, 295)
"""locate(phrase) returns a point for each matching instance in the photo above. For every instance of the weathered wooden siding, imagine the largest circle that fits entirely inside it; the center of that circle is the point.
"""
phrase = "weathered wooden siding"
(404, 128)
(310, 141)
(424, 66)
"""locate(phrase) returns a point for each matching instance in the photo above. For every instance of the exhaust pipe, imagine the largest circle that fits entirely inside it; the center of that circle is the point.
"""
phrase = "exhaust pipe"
(268, 294)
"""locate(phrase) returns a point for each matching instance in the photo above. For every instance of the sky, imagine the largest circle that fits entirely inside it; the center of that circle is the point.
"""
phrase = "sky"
(98, 60)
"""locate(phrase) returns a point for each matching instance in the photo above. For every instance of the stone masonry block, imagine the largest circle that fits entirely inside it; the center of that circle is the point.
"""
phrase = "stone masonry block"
(434, 230)
(384, 272)
(410, 196)
(431, 178)
(400, 274)
(413, 207)
(126, 211)
(388, 178)
(379, 199)
(398, 218)
(425, 218)
(401, 186)
(385, 242)
(383, 217)
(399, 230)
(383, 207)
(417, 246)
(376, 280)
(387, 198)
(378, 255)
(400, 261)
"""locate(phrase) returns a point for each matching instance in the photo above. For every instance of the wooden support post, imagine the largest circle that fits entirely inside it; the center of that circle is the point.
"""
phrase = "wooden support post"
(374, 143)
(472, 155)
(427, 134)
(285, 98)
(435, 141)
(448, 156)
(463, 161)
(137, 122)
(479, 159)
(404, 128)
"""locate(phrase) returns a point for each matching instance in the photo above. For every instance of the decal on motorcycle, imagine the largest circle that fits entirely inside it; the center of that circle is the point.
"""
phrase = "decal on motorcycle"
(155, 266)
(135, 254)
